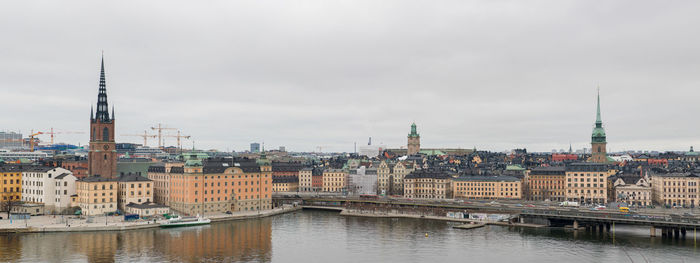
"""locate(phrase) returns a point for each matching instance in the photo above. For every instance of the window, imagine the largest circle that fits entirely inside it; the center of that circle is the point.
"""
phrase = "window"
(105, 134)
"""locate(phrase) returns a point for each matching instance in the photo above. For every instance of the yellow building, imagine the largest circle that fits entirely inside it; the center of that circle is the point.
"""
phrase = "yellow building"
(487, 187)
(334, 180)
(428, 184)
(134, 189)
(588, 182)
(285, 184)
(10, 183)
(97, 195)
(676, 189)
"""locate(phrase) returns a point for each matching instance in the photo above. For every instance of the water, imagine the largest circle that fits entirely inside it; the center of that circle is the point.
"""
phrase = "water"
(318, 236)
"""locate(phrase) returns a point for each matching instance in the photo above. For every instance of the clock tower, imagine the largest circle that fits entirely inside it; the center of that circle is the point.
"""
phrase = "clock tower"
(102, 155)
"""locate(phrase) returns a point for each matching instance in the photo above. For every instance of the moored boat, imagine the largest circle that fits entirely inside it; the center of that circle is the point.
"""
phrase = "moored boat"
(185, 221)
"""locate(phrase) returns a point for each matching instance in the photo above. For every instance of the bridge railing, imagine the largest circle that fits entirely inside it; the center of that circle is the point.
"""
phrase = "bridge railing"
(618, 216)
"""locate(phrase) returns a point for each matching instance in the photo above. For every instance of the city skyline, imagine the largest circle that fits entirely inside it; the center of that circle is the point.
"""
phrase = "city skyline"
(315, 85)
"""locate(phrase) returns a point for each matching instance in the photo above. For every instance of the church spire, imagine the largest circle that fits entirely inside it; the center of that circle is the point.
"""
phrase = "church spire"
(598, 121)
(102, 114)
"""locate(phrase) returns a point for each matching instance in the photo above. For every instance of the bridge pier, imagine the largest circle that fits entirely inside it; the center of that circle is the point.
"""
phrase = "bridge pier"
(676, 232)
(652, 231)
(600, 228)
(683, 231)
(575, 225)
(607, 227)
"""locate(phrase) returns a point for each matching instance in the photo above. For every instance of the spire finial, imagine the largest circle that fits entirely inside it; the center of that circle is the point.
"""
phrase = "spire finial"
(597, 117)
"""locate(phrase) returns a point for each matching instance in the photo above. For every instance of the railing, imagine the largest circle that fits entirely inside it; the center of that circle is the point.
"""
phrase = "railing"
(626, 217)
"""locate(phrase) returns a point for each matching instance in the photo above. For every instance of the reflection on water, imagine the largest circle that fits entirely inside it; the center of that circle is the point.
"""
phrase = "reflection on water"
(315, 236)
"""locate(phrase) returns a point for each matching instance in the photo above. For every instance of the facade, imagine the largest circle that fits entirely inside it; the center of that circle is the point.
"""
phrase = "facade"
(676, 189)
(487, 187)
(221, 185)
(11, 140)
(633, 190)
(102, 155)
(362, 181)
(97, 195)
(334, 180)
(598, 140)
(317, 180)
(50, 186)
(255, 147)
(305, 177)
(134, 189)
(160, 176)
(428, 184)
(587, 182)
(547, 183)
(286, 169)
(413, 145)
(78, 168)
(285, 184)
(10, 183)
(146, 209)
(383, 173)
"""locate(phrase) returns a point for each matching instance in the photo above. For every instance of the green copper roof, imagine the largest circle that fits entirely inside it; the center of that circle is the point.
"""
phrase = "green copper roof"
(598, 134)
(414, 132)
(432, 152)
(692, 152)
(515, 167)
(193, 162)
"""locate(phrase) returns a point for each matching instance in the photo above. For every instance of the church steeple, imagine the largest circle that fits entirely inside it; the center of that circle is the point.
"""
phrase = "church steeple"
(598, 140)
(598, 121)
(102, 114)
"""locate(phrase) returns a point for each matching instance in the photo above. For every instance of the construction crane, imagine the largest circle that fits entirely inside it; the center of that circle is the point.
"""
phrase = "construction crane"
(52, 133)
(178, 136)
(31, 139)
(145, 137)
(160, 129)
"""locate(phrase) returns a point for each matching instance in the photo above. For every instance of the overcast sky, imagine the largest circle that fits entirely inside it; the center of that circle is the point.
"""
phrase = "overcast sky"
(492, 74)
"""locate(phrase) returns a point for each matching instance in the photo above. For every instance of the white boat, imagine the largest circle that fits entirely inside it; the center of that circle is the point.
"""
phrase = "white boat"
(186, 221)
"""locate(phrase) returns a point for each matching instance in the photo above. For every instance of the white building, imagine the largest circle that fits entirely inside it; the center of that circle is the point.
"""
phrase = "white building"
(8, 155)
(362, 181)
(41, 185)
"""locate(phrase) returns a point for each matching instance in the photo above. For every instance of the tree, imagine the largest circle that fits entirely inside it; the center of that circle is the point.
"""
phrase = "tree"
(7, 203)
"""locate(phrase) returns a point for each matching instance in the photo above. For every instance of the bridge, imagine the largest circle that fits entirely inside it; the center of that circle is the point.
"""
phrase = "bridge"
(670, 225)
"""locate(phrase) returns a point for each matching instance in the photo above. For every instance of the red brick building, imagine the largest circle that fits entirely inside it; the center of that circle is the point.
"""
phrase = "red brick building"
(102, 155)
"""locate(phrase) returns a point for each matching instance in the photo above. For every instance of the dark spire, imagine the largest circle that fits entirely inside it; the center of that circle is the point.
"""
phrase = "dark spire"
(92, 113)
(102, 107)
(112, 111)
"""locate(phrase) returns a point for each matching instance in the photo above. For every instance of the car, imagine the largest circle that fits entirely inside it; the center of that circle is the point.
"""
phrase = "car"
(229, 212)
(530, 205)
(519, 205)
(686, 214)
(600, 207)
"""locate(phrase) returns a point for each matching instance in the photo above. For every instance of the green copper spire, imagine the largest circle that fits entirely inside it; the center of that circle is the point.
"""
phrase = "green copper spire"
(598, 132)
(414, 132)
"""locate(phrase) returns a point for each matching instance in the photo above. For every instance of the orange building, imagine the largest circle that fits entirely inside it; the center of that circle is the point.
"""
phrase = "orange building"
(221, 185)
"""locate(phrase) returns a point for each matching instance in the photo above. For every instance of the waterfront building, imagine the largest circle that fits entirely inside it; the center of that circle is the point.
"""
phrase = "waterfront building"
(487, 187)
(218, 185)
(413, 145)
(305, 177)
(102, 156)
(285, 184)
(160, 175)
(51, 186)
(587, 182)
(11, 182)
(334, 180)
(598, 141)
(362, 181)
(428, 184)
(317, 180)
(146, 209)
(97, 195)
(633, 190)
(547, 183)
(399, 171)
(383, 173)
(676, 189)
(134, 189)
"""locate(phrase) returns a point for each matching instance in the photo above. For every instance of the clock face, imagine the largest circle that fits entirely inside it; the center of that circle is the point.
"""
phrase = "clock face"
(106, 147)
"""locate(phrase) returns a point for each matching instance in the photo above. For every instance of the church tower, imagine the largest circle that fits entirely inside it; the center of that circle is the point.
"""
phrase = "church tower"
(102, 156)
(413, 140)
(598, 142)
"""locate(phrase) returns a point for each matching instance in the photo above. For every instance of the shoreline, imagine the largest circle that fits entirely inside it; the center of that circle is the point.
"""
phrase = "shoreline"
(126, 226)
(356, 213)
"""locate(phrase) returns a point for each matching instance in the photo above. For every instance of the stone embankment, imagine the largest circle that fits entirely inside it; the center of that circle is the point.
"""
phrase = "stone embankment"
(47, 224)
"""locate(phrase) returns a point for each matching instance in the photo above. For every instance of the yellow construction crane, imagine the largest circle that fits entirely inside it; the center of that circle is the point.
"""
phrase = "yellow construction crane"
(31, 140)
(160, 129)
(145, 137)
(52, 133)
(178, 136)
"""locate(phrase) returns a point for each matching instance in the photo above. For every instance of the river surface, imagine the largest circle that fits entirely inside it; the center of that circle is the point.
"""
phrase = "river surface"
(320, 236)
